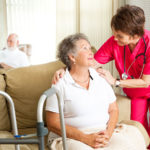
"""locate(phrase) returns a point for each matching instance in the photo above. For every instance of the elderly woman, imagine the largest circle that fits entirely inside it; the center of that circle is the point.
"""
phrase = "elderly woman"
(89, 103)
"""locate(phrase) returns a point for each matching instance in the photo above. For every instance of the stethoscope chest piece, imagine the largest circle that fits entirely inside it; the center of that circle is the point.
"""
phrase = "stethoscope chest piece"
(124, 76)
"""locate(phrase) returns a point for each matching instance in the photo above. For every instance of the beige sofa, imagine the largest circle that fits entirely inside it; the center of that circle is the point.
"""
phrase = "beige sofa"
(25, 86)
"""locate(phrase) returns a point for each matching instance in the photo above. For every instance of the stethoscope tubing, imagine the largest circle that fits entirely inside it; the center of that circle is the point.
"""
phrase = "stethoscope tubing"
(144, 54)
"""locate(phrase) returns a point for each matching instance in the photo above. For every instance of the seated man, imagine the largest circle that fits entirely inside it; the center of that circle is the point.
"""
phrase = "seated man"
(12, 57)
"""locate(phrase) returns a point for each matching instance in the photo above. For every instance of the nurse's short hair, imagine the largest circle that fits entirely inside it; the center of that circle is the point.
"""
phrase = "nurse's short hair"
(130, 20)
(68, 46)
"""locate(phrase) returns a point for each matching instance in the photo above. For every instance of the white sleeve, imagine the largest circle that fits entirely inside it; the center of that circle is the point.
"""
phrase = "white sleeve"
(52, 102)
(110, 93)
(24, 60)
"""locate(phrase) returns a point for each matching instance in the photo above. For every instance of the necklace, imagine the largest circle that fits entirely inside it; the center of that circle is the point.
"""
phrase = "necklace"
(86, 81)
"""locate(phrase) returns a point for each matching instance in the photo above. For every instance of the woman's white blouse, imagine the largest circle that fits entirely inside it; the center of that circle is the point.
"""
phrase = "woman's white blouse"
(83, 108)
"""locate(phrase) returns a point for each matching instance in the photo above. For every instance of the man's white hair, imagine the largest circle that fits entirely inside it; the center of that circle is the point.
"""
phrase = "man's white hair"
(14, 35)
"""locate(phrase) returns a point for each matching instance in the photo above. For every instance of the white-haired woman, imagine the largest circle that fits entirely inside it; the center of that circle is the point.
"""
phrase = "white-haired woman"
(89, 103)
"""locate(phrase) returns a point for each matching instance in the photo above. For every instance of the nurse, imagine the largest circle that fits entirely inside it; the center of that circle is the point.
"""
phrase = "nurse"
(130, 48)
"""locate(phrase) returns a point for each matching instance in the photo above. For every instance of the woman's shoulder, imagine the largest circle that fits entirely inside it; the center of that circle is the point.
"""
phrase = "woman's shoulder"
(95, 75)
(62, 82)
(99, 81)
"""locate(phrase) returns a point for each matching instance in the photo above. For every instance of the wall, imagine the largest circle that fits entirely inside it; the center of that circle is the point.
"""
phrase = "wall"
(89, 17)
(145, 5)
(3, 24)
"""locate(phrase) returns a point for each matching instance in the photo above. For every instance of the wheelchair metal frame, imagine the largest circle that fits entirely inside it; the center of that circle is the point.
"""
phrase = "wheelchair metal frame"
(41, 130)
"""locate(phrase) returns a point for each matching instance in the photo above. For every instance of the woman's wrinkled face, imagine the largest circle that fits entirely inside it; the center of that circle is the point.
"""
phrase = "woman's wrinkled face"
(84, 55)
(122, 38)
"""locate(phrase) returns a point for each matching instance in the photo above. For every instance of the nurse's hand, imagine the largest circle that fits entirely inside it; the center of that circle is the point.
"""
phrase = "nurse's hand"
(106, 75)
(58, 74)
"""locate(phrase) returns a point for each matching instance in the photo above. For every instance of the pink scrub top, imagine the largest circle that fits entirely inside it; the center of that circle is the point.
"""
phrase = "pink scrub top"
(110, 50)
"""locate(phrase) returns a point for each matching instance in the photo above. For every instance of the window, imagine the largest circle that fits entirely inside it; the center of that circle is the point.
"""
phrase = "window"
(35, 23)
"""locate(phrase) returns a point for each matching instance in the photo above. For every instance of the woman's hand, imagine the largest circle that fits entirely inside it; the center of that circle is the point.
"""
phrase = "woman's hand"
(106, 75)
(58, 74)
(97, 140)
(106, 133)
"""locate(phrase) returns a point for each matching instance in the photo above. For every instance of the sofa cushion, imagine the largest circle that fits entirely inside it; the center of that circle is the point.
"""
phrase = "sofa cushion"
(6, 134)
(25, 85)
(32, 131)
(4, 117)
(2, 71)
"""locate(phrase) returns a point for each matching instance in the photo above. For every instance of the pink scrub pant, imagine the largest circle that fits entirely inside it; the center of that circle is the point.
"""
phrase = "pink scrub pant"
(139, 109)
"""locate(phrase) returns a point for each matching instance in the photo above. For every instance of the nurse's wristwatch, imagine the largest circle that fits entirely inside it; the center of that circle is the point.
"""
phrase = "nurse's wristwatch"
(117, 82)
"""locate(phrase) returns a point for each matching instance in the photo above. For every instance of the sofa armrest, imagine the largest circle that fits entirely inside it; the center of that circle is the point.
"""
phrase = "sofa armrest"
(140, 127)
(4, 115)
(2, 71)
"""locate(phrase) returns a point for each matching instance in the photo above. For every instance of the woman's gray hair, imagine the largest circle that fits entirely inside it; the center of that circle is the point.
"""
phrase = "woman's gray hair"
(68, 46)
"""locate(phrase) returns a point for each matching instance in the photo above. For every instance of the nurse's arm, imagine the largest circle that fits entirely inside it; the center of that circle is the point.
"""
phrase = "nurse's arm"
(136, 83)
(96, 64)
(128, 83)
(53, 123)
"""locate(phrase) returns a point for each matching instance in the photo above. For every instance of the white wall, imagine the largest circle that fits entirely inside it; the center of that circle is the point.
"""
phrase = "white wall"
(91, 17)
(65, 19)
(3, 24)
(145, 5)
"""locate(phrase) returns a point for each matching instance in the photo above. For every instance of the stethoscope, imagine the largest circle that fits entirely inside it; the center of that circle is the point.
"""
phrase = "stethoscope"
(125, 75)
